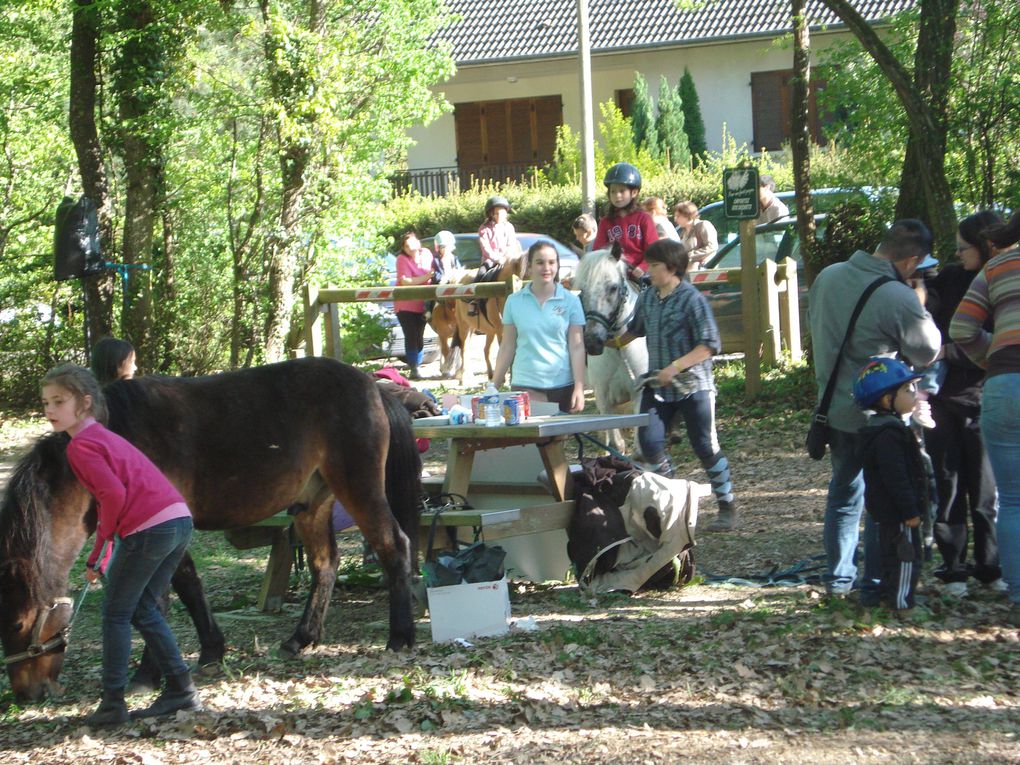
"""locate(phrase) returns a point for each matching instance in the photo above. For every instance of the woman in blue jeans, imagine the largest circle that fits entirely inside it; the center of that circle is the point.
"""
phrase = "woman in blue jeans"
(995, 295)
(147, 521)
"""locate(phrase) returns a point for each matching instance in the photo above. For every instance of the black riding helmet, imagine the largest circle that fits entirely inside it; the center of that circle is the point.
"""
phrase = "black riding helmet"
(624, 173)
(497, 202)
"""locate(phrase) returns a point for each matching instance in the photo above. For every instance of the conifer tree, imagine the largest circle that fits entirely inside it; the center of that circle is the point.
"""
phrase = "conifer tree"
(642, 118)
(694, 124)
(670, 126)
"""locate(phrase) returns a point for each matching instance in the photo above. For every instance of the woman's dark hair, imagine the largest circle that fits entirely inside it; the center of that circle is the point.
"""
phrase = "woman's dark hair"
(107, 356)
(403, 240)
(670, 253)
(972, 230)
(1002, 235)
(534, 249)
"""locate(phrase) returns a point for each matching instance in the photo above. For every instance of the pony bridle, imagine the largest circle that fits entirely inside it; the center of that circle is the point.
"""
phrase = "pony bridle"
(612, 323)
(55, 643)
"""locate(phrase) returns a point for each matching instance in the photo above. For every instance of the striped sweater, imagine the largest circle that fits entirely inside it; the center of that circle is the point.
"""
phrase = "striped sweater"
(995, 294)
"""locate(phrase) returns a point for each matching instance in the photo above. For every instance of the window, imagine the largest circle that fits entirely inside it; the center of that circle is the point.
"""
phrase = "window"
(624, 100)
(501, 140)
(771, 97)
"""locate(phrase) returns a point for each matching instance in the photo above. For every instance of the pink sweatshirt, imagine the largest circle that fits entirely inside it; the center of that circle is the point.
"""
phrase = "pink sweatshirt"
(131, 493)
(417, 265)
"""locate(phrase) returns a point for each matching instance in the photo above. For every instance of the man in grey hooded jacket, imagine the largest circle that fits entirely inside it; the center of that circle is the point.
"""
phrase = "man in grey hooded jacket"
(892, 323)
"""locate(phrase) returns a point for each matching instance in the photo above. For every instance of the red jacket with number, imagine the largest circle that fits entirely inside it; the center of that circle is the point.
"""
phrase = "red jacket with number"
(634, 231)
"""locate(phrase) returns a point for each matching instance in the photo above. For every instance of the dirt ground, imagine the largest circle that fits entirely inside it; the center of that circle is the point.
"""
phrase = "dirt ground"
(711, 673)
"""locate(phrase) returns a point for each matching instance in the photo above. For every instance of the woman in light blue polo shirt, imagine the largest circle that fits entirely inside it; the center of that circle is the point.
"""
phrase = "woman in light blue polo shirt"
(543, 336)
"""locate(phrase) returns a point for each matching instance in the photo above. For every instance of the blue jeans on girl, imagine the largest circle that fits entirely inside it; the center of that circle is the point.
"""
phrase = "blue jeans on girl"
(136, 578)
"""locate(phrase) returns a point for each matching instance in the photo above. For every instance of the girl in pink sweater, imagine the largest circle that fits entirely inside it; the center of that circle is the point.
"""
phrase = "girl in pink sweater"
(149, 526)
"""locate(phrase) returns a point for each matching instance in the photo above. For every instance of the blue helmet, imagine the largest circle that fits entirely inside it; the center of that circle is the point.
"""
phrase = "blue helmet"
(624, 173)
(880, 376)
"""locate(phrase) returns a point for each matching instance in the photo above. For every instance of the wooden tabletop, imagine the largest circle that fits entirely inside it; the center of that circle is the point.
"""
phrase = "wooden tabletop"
(542, 426)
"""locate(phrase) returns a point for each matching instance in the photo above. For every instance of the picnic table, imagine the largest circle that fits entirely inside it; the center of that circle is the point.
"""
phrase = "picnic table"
(516, 505)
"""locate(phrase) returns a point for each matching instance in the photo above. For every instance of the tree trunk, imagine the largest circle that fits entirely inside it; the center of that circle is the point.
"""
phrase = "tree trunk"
(932, 72)
(927, 129)
(141, 70)
(295, 159)
(800, 138)
(99, 289)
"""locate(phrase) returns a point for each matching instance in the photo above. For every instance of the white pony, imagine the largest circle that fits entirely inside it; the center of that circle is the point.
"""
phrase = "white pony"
(609, 299)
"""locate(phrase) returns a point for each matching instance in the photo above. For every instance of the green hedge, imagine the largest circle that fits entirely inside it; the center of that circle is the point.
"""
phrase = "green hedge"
(548, 208)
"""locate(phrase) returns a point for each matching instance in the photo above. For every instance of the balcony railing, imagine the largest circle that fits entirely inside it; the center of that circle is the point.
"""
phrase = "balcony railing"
(440, 181)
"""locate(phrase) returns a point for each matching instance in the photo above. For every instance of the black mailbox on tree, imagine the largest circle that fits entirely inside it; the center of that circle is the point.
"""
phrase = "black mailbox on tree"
(76, 240)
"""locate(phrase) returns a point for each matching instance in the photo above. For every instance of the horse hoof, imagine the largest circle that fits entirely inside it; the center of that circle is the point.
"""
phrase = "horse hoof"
(208, 669)
(288, 650)
(400, 642)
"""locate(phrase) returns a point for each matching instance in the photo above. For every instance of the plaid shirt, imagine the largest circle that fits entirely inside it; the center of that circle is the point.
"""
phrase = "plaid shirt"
(674, 326)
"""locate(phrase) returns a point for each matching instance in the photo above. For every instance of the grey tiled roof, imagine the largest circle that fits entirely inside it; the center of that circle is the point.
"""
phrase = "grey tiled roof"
(499, 30)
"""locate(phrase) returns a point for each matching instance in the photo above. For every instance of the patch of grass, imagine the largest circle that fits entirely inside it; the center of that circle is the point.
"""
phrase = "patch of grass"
(434, 757)
(590, 636)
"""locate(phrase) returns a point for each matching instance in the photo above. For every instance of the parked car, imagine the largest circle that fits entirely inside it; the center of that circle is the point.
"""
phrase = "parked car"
(774, 241)
(822, 200)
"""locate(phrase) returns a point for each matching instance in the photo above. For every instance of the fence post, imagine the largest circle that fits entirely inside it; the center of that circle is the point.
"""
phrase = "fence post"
(770, 324)
(789, 307)
(333, 345)
(313, 338)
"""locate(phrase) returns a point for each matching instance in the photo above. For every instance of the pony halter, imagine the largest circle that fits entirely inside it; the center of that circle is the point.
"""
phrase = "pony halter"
(55, 643)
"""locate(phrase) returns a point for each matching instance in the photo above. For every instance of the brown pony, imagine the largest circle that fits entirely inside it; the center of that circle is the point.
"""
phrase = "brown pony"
(455, 327)
(240, 446)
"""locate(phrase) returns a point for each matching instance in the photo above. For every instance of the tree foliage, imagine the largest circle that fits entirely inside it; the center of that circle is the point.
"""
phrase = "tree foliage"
(669, 124)
(642, 118)
(694, 123)
(222, 135)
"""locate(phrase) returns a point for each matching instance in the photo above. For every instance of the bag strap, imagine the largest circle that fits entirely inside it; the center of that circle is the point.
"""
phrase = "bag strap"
(821, 414)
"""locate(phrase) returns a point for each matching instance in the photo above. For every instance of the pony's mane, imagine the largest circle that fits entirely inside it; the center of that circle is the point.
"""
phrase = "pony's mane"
(597, 266)
(24, 525)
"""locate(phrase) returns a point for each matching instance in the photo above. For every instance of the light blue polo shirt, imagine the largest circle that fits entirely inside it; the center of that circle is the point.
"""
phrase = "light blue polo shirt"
(542, 359)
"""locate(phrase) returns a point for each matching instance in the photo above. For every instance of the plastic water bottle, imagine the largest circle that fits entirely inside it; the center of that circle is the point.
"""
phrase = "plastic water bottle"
(493, 417)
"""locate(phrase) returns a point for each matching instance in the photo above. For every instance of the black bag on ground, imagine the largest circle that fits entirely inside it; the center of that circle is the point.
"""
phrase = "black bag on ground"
(76, 251)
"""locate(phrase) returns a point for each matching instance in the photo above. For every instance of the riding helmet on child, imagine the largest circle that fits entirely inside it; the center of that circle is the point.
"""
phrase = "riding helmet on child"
(879, 376)
(623, 173)
(495, 202)
(445, 239)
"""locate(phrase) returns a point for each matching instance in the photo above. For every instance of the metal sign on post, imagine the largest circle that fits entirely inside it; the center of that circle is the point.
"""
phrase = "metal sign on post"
(740, 192)
(740, 195)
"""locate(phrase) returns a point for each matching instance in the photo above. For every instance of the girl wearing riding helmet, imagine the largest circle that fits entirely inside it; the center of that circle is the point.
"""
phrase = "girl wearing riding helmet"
(625, 222)
(496, 236)
(445, 261)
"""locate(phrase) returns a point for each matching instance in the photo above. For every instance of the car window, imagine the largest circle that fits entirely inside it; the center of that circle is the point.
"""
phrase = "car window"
(767, 245)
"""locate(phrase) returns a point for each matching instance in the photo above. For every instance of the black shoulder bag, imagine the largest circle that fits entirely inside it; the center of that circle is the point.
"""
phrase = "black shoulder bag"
(818, 431)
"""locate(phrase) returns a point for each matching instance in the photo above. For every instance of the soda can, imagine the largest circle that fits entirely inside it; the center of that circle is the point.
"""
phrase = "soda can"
(511, 410)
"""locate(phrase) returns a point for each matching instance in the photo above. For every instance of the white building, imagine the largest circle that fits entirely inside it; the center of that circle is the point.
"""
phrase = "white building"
(518, 74)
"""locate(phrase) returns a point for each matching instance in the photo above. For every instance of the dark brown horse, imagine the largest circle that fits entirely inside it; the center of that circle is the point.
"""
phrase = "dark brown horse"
(240, 446)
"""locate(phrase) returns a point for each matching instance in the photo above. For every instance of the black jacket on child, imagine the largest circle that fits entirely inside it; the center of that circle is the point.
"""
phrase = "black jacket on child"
(895, 485)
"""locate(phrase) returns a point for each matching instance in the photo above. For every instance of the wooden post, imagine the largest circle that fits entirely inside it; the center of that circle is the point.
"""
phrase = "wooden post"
(277, 576)
(769, 293)
(333, 349)
(313, 337)
(751, 309)
(789, 308)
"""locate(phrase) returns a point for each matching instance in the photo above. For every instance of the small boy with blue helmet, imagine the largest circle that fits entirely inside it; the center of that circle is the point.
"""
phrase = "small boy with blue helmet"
(895, 482)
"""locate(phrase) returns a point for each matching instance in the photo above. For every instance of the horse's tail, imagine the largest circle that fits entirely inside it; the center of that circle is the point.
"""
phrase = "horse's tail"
(457, 341)
(403, 472)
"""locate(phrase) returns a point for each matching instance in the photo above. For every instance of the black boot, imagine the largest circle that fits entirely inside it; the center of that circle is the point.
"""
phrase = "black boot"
(180, 693)
(111, 710)
(726, 520)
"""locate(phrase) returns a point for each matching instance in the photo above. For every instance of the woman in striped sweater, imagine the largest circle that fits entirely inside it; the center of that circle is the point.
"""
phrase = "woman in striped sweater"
(995, 294)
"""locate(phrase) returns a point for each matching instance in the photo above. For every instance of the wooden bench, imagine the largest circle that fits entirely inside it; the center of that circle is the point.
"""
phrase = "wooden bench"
(275, 532)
